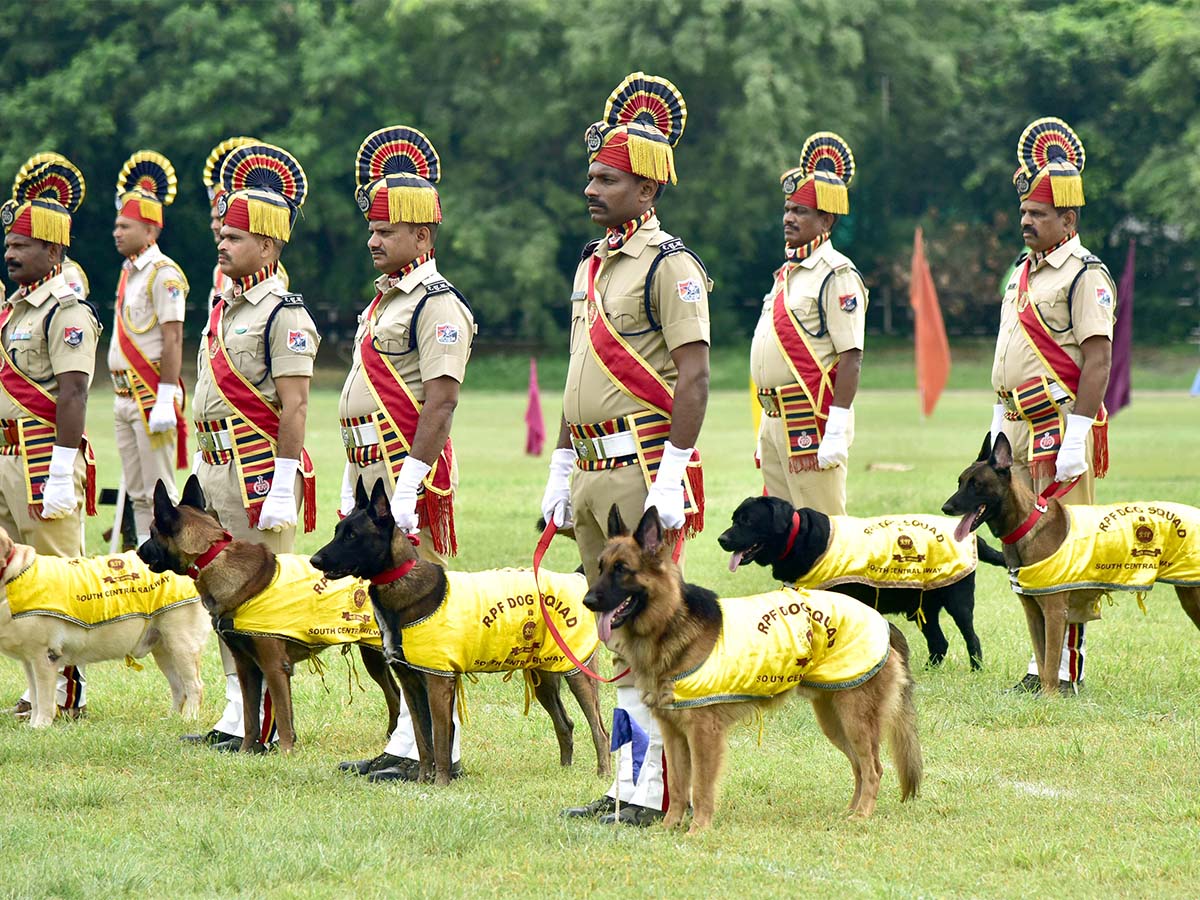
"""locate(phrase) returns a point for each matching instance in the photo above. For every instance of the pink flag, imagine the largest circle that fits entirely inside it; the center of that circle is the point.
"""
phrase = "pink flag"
(535, 425)
(932, 347)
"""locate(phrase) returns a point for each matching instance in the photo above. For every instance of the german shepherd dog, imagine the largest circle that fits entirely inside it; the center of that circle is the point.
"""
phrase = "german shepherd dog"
(760, 534)
(987, 493)
(667, 629)
(179, 536)
(367, 544)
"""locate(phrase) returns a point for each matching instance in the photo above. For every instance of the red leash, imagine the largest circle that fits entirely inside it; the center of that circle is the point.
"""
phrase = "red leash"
(1040, 505)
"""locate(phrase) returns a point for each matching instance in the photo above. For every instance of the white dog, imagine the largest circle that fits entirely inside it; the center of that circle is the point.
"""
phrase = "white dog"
(58, 612)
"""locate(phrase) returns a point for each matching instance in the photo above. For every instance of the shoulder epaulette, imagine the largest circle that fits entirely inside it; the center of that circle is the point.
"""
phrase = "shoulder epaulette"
(1091, 259)
(589, 248)
(438, 286)
(64, 294)
(290, 299)
(674, 245)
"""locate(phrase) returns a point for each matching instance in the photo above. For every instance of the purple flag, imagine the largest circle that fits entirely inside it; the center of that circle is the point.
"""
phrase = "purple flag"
(626, 731)
(535, 425)
(1117, 394)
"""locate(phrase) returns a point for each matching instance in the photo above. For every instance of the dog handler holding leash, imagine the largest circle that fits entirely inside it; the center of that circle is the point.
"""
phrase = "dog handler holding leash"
(637, 382)
(410, 357)
(48, 335)
(1055, 345)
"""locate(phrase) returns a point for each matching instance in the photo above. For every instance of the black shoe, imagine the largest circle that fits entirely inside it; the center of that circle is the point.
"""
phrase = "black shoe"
(1070, 688)
(208, 738)
(1030, 684)
(406, 770)
(632, 814)
(363, 766)
(595, 809)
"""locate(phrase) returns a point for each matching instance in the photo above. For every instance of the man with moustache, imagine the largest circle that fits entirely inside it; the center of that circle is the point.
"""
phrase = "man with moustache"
(48, 335)
(253, 373)
(1054, 349)
(637, 381)
(146, 352)
(410, 357)
(807, 348)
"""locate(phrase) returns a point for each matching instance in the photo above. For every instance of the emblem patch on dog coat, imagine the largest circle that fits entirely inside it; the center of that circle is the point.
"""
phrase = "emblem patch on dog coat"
(447, 333)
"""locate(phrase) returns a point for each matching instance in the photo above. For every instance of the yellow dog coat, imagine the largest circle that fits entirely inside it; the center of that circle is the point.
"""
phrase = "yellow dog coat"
(303, 604)
(491, 622)
(771, 643)
(96, 590)
(892, 552)
(1127, 547)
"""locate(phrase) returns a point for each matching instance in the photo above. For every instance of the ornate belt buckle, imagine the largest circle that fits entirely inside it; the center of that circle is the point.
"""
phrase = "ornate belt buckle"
(585, 449)
(347, 437)
(206, 442)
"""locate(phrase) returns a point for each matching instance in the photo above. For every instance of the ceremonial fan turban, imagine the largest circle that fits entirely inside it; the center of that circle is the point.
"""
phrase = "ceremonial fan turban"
(822, 179)
(643, 120)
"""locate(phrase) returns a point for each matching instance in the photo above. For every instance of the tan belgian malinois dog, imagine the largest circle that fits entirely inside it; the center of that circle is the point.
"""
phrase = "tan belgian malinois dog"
(228, 573)
(1032, 529)
(669, 631)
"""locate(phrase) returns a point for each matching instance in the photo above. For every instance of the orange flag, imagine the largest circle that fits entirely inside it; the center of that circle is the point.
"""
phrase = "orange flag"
(932, 348)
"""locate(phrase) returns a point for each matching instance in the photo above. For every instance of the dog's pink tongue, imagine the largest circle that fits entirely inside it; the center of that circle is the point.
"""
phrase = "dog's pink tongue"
(964, 527)
(735, 560)
(604, 626)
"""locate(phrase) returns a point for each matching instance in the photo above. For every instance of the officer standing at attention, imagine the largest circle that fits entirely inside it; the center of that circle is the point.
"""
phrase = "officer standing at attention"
(410, 357)
(807, 347)
(637, 381)
(146, 352)
(1054, 349)
(48, 335)
(254, 368)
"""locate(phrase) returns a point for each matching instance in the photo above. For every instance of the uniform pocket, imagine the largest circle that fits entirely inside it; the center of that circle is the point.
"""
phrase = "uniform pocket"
(1055, 310)
(627, 313)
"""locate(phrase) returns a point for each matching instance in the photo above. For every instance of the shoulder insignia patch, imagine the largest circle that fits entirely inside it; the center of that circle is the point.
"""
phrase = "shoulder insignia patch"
(73, 335)
(291, 299)
(447, 333)
(674, 245)
(848, 302)
(1104, 297)
(690, 290)
(1091, 259)
(440, 286)
(297, 341)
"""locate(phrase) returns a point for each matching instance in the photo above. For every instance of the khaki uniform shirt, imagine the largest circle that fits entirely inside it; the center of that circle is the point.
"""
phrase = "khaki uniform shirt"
(68, 345)
(829, 300)
(678, 301)
(445, 330)
(288, 350)
(155, 292)
(1071, 316)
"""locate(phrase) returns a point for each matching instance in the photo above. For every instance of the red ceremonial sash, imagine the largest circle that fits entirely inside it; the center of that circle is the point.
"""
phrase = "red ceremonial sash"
(144, 384)
(635, 377)
(256, 436)
(37, 433)
(399, 413)
(806, 410)
(1065, 372)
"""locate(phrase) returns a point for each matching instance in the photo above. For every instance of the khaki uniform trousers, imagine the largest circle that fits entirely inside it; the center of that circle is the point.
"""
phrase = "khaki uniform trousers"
(143, 463)
(50, 537)
(377, 470)
(821, 489)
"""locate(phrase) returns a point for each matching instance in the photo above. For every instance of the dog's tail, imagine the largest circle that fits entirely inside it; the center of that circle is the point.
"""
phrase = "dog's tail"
(902, 729)
(987, 553)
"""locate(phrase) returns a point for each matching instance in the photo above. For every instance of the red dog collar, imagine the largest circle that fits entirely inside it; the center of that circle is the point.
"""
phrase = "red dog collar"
(394, 574)
(791, 542)
(1040, 505)
(209, 555)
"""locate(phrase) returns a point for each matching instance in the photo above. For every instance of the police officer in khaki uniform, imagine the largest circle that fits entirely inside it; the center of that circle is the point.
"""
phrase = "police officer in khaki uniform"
(416, 332)
(148, 323)
(49, 333)
(639, 303)
(811, 327)
(1056, 323)
(267, 337)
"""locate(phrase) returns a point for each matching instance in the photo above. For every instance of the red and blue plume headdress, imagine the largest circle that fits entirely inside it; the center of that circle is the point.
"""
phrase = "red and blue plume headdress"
(643, 120)
(265, 188)
(396, 169)
(823, 176)
(1051, 159)
(47, 190)
(145, 185)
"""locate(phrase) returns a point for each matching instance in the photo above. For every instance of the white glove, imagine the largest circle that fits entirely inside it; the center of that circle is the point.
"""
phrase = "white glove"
(197, 458)
(667, 491)
(833, 450)
(1072, 460)
(997, 422)
(347, 505)
(279, 509)
(404, 498)
(556, 501)
(58, 493)
(162, 414)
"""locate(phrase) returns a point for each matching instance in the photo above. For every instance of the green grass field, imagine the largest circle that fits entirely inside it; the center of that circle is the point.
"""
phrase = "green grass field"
(1097, 796)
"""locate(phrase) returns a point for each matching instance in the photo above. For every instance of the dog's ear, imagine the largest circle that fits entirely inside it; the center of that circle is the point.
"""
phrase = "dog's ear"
(166, 516)
(361, 498)
(380, 506)
(781, 514)
(193, 494)
(649, 532)
(616, 525)
(985, 451)
(1001, 456)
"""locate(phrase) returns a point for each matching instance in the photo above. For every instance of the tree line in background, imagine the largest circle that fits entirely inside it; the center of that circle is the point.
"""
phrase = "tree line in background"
(930, 94)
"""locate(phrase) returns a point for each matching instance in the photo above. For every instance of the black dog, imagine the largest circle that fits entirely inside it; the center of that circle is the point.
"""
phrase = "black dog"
(762, 527)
